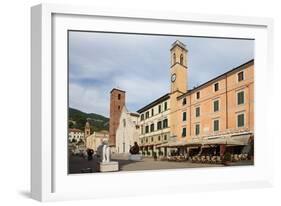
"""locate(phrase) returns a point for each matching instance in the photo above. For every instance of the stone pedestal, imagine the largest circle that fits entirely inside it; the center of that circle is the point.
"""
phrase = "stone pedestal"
(135, 157)
(108, 166)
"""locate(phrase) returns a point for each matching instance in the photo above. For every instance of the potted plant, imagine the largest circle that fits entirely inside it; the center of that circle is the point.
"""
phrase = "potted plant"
(226, 158)
(154, 156)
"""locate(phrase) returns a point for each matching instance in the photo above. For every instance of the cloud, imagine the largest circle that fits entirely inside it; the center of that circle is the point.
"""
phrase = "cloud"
(139, 64)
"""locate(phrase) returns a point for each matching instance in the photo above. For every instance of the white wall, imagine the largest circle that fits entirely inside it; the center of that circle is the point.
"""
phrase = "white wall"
(15, 100)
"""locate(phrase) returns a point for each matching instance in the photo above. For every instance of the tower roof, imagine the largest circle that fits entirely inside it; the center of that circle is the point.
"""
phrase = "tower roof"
(180, 44)
(115, 89)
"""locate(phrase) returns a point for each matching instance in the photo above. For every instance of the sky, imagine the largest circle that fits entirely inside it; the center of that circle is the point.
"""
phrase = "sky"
(140, 65)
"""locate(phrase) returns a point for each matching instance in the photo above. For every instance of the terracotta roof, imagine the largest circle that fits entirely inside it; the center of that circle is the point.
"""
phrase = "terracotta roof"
(155, 102)
(216, 78)
(117, 90)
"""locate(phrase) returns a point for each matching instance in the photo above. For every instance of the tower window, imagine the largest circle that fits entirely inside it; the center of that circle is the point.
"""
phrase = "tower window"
(119, 96)
(181, 59)
(174, 58)
(118, 107)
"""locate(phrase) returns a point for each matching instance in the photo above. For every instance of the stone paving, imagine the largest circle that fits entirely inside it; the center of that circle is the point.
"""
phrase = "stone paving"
(78, 164)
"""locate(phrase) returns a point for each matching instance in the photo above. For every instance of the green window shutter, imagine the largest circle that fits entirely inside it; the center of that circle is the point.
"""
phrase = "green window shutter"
(241, 120)
(240, 97)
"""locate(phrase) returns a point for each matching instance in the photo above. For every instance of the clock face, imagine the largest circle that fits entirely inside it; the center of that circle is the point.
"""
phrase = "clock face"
(173, 78)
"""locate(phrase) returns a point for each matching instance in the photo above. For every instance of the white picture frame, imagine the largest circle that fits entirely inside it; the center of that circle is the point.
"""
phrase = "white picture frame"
(49, 181)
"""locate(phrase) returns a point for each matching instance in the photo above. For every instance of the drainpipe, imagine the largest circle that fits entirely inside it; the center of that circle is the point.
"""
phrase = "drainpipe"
(226, 103)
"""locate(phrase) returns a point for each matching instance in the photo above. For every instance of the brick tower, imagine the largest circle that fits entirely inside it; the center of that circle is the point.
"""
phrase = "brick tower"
(117, 101)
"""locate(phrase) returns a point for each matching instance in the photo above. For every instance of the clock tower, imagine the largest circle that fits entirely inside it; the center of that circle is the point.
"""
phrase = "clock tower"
(178, 72)
(178, 67)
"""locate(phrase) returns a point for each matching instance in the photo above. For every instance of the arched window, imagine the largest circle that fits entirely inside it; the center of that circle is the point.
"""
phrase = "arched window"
(174, 58)
(181, 59)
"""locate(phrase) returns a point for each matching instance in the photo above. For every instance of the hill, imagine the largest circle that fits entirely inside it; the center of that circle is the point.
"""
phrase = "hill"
(77, 119)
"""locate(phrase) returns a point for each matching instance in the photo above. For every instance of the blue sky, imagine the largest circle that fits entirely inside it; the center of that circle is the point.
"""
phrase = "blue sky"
(139, 64)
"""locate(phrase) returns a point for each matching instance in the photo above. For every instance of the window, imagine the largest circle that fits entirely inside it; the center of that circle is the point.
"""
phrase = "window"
(141, 129)
(216, 105)
(216, 125)
(152, 112)
(184, 101)
(184, 116)
(165, 106)
(174, 58)
(183, 133)
(119, 96)
(165, 123)
(159, 138)
(181, 59)
(151, 139)
(240, 76)
(240, 120)
(240, 97)
(197, 111)
(147, 115)
(165, 137)
(118, 107)
(146, 129)
(197, 129)
(146, 139)
(142, 117)
(152, 128)
(197, 95)
(159, 125)
(124, 123)
(159, 109)
(216, 87)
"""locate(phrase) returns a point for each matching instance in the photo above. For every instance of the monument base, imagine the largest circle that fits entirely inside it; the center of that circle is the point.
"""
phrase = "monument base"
(108, 166)
(135, 157)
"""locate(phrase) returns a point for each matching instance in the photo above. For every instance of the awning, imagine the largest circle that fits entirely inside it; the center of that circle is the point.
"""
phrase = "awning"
(229, 139)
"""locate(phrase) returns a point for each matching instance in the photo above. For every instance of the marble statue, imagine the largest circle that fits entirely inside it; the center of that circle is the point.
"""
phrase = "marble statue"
(105, 152)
